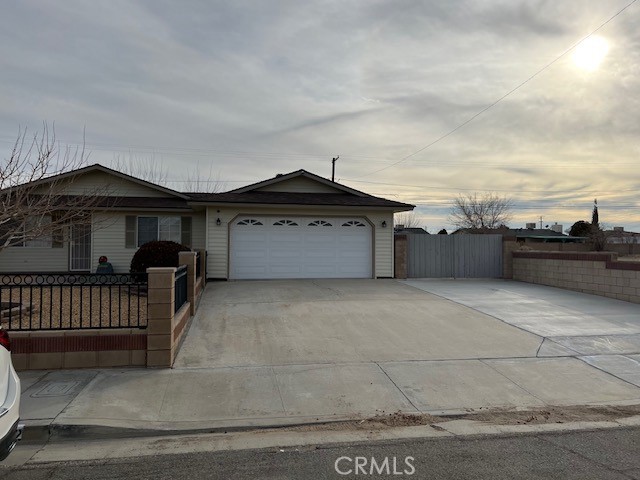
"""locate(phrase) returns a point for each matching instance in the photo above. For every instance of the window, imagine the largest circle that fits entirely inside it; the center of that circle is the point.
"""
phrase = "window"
(320, 223)
(353, 223)
(289, 223)
(159, 228)
(32, 224)
(250, 221)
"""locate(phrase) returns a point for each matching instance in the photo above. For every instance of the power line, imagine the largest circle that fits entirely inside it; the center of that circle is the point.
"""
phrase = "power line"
(493, 104)
(434, 187)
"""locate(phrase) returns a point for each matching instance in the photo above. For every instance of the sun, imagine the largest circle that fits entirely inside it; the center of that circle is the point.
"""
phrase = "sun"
(590, 53)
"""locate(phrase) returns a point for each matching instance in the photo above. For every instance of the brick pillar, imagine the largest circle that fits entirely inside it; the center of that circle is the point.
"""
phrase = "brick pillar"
(189, 259)
(160, 310)
(203, 266)
(400, 254)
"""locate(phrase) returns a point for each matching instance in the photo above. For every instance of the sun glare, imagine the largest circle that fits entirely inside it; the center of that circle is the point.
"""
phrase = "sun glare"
(590, 53)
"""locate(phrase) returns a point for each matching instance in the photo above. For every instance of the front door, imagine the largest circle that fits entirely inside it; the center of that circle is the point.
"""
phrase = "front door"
(80, 247)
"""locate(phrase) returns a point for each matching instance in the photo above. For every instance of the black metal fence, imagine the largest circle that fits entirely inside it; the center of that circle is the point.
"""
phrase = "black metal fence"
(198, 268)
(180, 287)
(55, 301)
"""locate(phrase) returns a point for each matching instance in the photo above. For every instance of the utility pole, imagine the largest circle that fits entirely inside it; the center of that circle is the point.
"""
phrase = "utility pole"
(540, 222)
(333, 168)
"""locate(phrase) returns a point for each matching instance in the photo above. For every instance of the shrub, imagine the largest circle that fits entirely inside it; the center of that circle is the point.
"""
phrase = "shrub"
(156, 254)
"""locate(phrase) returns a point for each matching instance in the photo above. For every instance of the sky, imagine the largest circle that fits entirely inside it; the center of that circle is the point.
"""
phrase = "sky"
(234, 92)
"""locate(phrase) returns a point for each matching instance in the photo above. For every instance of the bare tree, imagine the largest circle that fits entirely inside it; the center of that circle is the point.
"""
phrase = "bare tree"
(481, 211)
(149, 169)
(143, 167)
(408, 219)
(195, 183)
(33, 193)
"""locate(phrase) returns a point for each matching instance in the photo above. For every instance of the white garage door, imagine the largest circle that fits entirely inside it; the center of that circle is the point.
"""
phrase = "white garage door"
(300, 247)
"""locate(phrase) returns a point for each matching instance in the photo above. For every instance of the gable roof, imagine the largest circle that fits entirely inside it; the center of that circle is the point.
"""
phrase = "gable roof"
(101, 168)
(283, 177)
(344, 196)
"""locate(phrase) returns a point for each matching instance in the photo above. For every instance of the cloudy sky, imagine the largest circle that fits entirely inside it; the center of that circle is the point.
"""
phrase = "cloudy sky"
(242, 90)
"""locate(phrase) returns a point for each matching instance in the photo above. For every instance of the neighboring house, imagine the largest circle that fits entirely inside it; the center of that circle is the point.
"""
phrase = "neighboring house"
(297, 225)
(401, 230)
(526, 235)
(619, 235)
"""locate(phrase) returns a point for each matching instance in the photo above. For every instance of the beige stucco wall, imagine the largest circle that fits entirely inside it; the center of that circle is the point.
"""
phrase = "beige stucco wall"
(108, 237)
(218, 235)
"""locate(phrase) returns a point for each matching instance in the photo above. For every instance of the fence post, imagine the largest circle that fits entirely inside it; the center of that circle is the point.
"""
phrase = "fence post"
(400, 254)
(203, 266)
(189, 259)
(160, 311)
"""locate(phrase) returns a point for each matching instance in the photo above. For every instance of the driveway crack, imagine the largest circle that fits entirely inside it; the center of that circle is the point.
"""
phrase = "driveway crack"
(399, 389)
(275, 380)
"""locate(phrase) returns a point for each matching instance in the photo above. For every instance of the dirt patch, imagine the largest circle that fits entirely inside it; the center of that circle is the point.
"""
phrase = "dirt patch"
(576, 413)
(629, 258)
(495, 416)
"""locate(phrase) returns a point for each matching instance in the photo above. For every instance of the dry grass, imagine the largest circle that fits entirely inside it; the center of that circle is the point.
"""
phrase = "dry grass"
(74, 307)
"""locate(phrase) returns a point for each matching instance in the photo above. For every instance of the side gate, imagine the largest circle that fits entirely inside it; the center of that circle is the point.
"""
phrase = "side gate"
(454, 256)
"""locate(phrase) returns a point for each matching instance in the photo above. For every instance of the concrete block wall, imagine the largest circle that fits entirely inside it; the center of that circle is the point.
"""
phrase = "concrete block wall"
(598, 273)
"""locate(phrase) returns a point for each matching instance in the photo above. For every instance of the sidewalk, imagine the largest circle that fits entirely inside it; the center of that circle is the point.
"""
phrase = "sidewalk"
(138, 402)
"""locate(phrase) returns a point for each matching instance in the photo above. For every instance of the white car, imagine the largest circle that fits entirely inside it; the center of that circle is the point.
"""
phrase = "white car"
(10, 427)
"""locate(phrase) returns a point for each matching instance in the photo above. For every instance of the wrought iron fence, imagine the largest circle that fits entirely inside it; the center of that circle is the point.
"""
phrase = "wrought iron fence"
(180, 287)
(198, 269)
(56, 301)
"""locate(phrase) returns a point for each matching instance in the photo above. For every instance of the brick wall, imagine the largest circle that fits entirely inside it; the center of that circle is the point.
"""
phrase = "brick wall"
(598, 273)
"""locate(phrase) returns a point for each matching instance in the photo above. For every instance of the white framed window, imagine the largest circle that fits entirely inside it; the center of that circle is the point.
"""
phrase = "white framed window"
(31, 225)
(167, 228)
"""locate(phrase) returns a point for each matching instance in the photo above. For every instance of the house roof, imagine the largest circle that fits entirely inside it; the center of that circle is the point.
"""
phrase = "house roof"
(297, 198)
(251, 194)
(282, 177)
(512, 232)
(417, 230)
(101, 168)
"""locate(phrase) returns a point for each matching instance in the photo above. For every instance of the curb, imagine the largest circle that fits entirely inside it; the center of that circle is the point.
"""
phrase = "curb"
(461, 427)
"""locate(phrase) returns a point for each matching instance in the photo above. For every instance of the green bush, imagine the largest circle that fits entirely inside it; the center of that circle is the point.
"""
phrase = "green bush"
(157, 254)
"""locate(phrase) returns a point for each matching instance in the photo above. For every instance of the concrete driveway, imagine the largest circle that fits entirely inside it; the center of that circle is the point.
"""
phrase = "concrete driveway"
(286, 352)
(340, 321)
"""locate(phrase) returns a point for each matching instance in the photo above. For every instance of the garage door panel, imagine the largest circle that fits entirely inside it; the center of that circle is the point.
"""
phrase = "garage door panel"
(300, 251)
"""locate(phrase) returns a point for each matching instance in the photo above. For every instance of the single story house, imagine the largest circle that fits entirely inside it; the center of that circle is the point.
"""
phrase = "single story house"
(525, 235)
(295, 225)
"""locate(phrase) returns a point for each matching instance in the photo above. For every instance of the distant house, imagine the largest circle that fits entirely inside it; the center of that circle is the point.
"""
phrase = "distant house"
(530, 234)
(401, 230)
(619, 235)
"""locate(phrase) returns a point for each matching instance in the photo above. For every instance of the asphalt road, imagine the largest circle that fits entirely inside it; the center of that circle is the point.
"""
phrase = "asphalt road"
(604, 454)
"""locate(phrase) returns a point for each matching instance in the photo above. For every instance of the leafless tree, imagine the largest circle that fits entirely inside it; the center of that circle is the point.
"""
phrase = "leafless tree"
(144, 167)
(195, 183)
(481, 211)
(408, 219)
(149, 169)
(33, 193)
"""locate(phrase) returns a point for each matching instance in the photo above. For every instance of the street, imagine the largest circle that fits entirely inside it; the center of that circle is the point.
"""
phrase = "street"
(602, 454)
